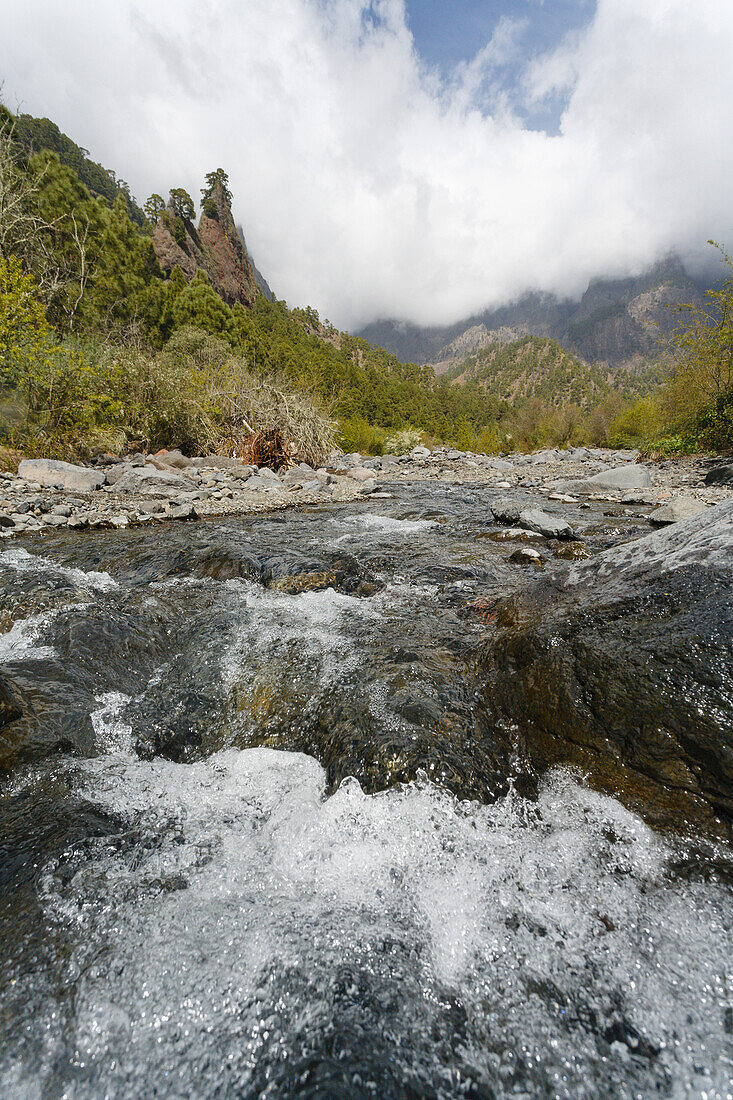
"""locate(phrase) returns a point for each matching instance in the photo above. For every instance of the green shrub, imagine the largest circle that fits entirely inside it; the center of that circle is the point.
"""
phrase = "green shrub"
(356, 434)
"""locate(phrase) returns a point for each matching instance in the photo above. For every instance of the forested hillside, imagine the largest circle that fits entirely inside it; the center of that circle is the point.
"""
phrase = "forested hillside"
(538, 367)
(110, 278)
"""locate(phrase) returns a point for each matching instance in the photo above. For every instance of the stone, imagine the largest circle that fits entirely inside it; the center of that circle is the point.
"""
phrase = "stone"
(5, 521)
(52, 474)
(682, 507)
(175, 459)
(550, 526)
(183, 511)
(719, 475)
(266, 472)
(621, 667)
(360, 473)
(640, 496)
(505, 510)
(120, 521)
(632, 476)
(61, 510)
(147, 481)
(420, 452)
(525, 555)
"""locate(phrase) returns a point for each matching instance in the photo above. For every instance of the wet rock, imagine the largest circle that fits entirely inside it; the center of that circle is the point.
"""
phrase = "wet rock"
(573, 551)
(525, 555)
(11, 702)
(294, 574)
(551, 527)
(60, 475)
(506, 511)
(680, 508)
(623, 667)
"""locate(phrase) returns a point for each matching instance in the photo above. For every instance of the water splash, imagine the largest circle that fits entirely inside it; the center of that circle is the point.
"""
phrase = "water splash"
(246, 936)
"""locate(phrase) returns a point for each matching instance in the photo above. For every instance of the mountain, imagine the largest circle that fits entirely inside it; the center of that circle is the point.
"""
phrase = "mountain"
(259, 277)
(216, 246)
(619, 322)
(538, 367)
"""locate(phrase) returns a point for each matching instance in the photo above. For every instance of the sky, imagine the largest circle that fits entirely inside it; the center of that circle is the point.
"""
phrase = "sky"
(412, 159)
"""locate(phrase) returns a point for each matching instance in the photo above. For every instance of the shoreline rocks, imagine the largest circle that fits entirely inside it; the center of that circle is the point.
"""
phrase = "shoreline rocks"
(149, 488)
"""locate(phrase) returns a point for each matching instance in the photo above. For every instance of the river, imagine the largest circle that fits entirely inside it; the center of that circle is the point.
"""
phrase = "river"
(252, 848)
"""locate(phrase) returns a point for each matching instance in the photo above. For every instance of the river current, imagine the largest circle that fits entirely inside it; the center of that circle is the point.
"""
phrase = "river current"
(251, 847)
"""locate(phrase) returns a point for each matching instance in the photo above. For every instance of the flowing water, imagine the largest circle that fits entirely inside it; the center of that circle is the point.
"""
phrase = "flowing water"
(251, 846)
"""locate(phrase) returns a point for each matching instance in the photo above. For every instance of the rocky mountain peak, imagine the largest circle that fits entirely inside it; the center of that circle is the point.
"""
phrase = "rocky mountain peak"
(215, 246)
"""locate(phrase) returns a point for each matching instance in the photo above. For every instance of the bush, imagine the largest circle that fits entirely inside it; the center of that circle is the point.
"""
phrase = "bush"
(356, 434)
(402, 442)
(80, 398)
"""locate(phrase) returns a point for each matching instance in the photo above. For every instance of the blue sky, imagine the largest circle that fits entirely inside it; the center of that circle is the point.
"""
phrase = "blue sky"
(448, 31)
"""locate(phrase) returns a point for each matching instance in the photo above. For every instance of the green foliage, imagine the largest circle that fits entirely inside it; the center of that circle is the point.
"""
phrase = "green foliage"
(39, 134)
(215, 181)
(356, 435)
(23, 324)
(638, 425)
(154, 208)
(182, 204)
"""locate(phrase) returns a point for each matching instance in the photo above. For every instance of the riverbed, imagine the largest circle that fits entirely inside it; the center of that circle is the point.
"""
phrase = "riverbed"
(253, 845)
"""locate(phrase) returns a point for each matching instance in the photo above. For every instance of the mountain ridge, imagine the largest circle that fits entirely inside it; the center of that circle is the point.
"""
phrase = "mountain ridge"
(617, 322)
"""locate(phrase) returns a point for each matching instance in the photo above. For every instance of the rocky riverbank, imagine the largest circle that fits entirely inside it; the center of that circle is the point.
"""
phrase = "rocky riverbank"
(44, 494)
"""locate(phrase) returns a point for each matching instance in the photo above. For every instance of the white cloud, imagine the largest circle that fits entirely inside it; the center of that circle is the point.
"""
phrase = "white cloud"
(366, 185)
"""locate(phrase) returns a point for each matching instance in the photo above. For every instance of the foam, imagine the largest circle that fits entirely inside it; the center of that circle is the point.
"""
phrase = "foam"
(23, 562)
(248, 924)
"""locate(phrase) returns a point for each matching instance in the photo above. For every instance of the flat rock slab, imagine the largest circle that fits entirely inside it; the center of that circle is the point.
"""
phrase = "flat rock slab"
(53, 474)
(147, 481)
(631, 476)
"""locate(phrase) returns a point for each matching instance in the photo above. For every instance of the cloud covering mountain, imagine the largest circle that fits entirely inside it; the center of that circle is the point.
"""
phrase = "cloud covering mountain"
(370, 185)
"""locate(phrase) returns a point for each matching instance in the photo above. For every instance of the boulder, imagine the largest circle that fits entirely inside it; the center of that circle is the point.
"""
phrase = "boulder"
(175, 459)
(506, 511)
(680, 508)
(719, 475)
(420, 452)
(53, 474)
(621, 666)
(552, 527)
(147, 481)
(631, 476)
